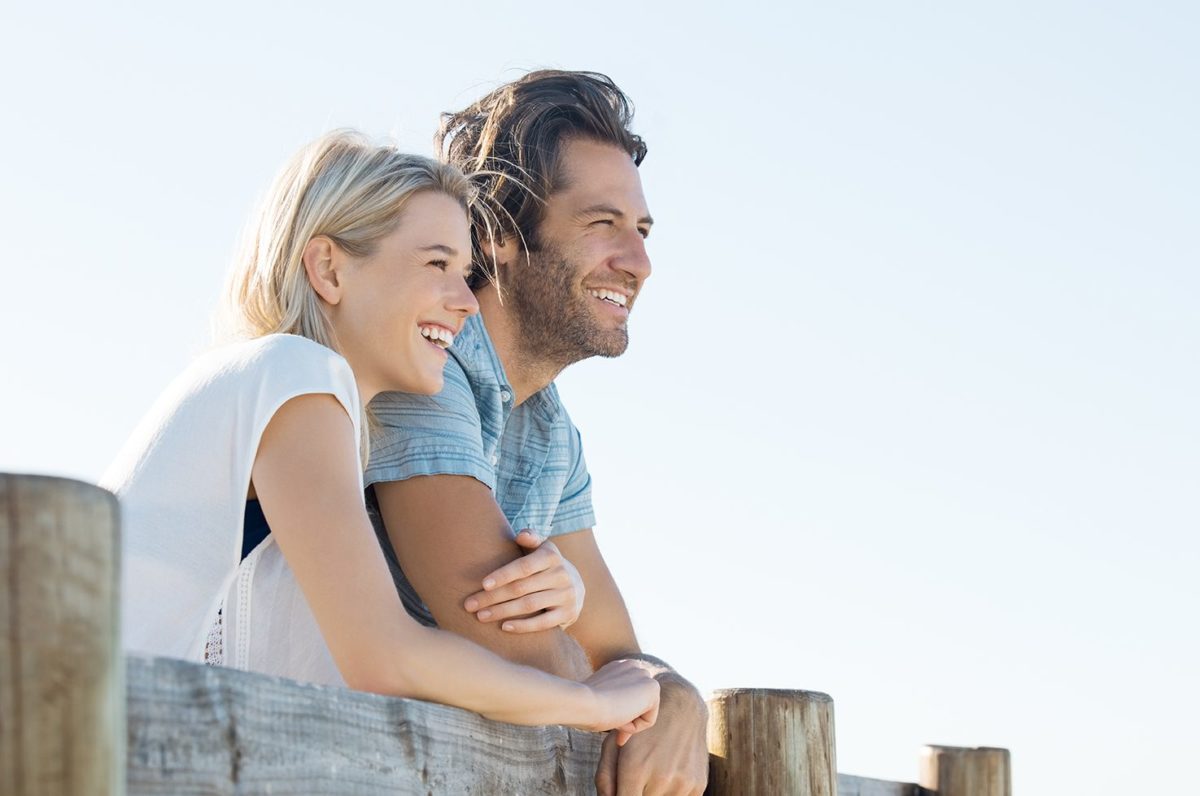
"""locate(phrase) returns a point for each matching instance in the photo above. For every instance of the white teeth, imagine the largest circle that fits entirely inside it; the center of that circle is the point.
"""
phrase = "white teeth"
(438, 335)
(620, 299)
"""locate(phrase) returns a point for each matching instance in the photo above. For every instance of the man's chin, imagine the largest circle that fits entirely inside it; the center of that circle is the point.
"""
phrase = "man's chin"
(610, 346)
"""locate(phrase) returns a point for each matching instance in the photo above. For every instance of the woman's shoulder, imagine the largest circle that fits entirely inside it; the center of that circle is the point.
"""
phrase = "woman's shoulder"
(278, 355)
(269, 370)
(256, 351)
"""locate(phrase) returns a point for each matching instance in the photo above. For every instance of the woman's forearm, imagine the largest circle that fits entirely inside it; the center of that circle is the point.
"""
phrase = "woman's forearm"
(438, 666)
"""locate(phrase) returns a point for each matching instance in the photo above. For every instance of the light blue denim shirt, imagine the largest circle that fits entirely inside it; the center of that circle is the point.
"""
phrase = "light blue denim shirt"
(530, 456)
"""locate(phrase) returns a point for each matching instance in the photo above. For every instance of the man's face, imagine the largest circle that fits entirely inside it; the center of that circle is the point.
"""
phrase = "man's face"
(572, 299)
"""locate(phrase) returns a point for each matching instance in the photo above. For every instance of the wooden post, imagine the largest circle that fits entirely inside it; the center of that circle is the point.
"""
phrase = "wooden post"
(771, 741)
(958, 771)
(62, 694)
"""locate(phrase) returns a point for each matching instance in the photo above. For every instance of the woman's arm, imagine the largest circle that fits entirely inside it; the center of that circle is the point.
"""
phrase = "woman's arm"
(305, 476)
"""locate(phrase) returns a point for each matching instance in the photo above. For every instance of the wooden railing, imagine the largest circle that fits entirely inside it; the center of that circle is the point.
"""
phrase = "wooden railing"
(78, 717)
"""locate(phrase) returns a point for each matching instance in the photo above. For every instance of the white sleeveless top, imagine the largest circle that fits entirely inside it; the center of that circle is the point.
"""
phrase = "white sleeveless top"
(182, 480)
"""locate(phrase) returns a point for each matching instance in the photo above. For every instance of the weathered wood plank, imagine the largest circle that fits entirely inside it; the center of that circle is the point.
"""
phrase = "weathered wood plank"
(772, 741)
(849, 785)
(197, 729)
(962, 771)
(61, 692)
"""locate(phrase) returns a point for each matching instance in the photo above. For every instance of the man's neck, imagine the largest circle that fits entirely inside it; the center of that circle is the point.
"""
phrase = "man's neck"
(526, 372)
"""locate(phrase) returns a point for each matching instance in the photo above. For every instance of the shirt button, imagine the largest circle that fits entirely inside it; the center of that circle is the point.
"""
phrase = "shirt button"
(495, 459)
(505, 396)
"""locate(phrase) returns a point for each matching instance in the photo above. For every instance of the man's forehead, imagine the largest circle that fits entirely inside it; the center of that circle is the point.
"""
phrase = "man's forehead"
(595, 174)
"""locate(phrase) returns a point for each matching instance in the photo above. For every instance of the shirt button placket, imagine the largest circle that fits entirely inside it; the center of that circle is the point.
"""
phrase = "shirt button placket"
(506, 400)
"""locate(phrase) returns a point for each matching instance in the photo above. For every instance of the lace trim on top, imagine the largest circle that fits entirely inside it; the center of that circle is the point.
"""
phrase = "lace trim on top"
(214, 645)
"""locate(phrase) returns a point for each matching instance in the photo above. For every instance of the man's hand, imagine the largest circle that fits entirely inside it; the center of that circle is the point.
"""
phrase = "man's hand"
(672, 756)
(669, 759)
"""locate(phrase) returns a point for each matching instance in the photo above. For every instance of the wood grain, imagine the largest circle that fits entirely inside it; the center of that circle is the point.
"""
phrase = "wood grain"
(849, 785)
(61, 688)
(771, 741)
(196, 729)
(959, 771)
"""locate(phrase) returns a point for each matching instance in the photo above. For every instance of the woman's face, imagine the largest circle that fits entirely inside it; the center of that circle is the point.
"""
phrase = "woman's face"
(401, 306)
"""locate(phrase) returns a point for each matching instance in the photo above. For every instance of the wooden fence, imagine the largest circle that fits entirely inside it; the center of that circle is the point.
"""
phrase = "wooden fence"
(78, 717)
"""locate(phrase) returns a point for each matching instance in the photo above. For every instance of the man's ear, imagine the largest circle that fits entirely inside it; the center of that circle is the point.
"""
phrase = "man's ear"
(321, 264)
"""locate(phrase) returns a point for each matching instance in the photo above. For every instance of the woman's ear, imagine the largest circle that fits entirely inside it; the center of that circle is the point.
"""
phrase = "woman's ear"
(321, 264)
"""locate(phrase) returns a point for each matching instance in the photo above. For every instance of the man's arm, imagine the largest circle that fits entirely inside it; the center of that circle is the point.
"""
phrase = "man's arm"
(672, 756)
(448, 533)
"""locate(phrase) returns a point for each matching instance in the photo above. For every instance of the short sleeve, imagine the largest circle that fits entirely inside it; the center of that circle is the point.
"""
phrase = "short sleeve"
(439, 434)
(286, 366)
(574, 512)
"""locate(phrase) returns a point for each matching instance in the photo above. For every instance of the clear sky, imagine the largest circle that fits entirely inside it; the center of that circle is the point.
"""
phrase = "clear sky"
(909, 415)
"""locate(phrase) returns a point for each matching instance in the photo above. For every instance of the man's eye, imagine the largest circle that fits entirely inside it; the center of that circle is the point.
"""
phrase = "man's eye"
(644, 232)
(606, 221)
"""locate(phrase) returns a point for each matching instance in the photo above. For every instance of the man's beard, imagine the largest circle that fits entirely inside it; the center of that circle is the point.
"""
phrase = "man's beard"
(556, 322)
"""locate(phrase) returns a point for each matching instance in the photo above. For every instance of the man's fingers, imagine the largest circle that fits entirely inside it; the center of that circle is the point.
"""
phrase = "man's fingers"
(606, 772)
(543, 621)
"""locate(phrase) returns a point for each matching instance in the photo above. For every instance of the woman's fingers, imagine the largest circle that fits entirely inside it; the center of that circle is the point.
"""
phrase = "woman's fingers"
(529, 540)
(551, 580)
(540, 581)
(543, 621)
(545, 556)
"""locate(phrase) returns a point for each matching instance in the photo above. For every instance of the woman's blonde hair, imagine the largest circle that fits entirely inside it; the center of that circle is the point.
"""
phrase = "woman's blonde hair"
(341, 186)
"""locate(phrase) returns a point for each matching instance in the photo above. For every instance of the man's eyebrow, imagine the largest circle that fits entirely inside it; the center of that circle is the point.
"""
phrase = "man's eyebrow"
(612, 211)
(439, 247)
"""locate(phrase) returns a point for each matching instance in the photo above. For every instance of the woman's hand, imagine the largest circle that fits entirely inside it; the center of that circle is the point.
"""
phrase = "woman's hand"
(541, 583)
(627, 695)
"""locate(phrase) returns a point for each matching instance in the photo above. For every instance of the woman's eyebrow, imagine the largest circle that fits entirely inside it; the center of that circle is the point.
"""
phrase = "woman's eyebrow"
(440, 247)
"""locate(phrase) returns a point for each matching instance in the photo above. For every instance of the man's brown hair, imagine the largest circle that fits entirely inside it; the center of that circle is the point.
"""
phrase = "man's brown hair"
(512, 140)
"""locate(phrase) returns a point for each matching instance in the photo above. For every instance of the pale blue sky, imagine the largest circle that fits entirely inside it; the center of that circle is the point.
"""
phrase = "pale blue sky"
(909, 412)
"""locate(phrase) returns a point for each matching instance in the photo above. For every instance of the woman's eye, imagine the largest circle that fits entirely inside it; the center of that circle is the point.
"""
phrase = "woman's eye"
(441, 265)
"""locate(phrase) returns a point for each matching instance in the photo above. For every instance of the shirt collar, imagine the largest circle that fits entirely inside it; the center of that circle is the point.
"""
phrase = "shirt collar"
(477, 355)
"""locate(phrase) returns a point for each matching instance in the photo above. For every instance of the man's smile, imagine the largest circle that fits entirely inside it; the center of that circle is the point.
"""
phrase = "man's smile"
(611, 296)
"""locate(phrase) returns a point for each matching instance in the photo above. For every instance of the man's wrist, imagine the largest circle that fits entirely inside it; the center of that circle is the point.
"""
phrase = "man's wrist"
(673, 685)
(677, 694)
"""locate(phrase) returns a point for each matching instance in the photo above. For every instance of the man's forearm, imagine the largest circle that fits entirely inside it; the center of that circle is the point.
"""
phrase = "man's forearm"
(552, 651)
(447, 534)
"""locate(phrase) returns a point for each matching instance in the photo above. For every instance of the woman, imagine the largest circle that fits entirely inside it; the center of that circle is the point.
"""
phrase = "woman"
(353, 283)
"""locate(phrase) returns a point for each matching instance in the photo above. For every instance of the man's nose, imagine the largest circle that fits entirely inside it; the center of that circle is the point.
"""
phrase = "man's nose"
(634, 260)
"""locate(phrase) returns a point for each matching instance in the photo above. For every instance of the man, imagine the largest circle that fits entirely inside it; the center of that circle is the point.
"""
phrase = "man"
(452, 475)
